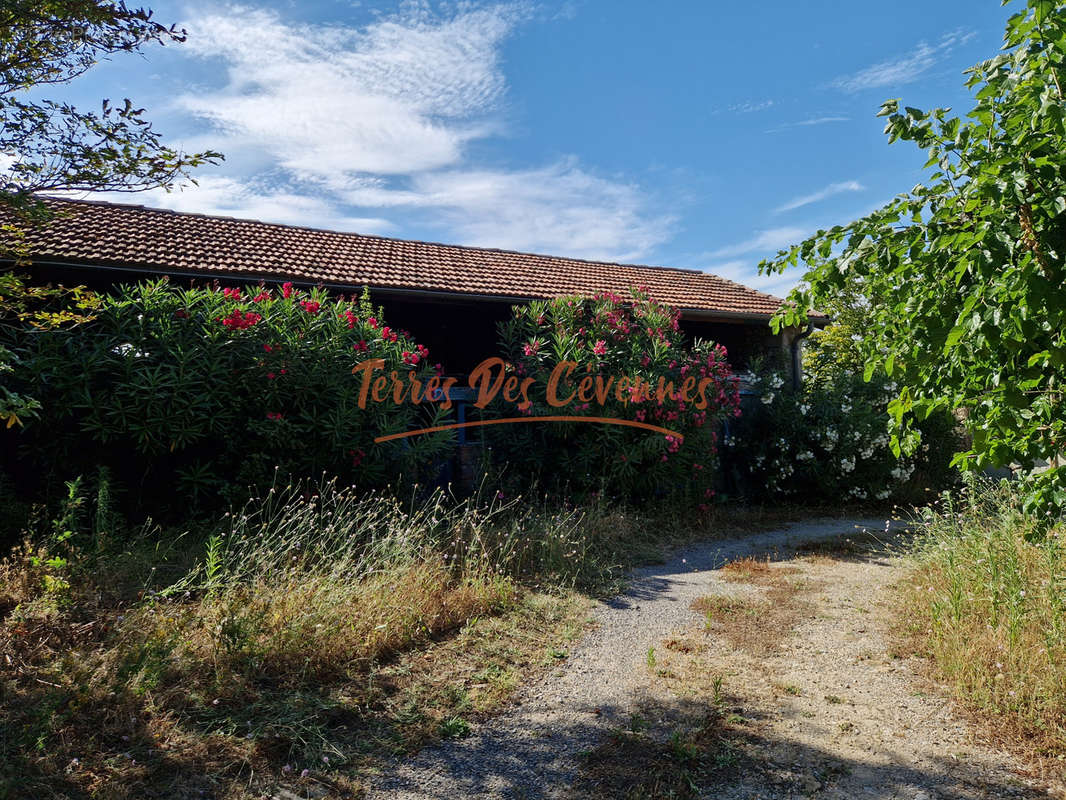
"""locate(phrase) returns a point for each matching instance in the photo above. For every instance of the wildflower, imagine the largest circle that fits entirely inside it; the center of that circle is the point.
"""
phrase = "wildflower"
(286, 769)
(304, 773)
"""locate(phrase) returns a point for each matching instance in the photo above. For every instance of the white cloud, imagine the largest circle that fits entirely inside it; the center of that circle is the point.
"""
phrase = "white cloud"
(808, 123)
(404, 94)
(559, 208)
(766, 241)
(379, 119)
(906, 68)
(817, 197)
(228, 197)
(751, 106)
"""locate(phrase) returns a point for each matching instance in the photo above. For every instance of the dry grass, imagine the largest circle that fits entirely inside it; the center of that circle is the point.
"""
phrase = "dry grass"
(988, 608)
(757, 625)
(648, 765)
(321, 636)
(86, 711)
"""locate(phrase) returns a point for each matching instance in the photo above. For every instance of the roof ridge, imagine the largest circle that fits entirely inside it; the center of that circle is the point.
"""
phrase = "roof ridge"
(477, 248)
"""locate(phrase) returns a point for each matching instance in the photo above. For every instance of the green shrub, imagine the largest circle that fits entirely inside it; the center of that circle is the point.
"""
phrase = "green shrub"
(188, 393)
(607, 339)
(830, 441)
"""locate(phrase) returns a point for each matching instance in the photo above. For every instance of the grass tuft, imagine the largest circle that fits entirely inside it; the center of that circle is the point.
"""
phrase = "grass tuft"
(986, 603)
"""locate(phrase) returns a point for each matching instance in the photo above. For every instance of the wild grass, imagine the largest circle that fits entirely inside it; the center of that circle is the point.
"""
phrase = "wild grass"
(987, 603)
(315, 629)
(296, 642)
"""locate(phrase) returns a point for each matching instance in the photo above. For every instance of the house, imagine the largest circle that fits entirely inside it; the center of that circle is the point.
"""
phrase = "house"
(450, 296)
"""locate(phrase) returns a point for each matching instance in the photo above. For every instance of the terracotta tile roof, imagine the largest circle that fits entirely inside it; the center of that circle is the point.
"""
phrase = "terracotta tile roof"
(135, 237)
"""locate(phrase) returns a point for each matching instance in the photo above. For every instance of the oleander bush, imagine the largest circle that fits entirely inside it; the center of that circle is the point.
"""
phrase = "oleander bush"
(830, 441)
(621, 358)
(193, 395)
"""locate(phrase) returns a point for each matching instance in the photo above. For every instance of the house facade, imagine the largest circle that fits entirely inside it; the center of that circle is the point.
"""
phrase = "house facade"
(450, 296)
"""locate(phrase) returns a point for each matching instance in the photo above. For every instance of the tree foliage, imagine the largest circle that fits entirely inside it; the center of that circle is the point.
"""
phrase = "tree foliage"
(51, 146)
(48, 146)
(963, 275)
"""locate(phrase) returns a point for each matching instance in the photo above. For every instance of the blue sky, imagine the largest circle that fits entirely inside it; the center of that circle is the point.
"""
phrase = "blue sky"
(696, 133)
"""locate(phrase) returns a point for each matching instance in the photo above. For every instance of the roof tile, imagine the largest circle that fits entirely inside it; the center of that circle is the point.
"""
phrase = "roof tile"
(111, 234)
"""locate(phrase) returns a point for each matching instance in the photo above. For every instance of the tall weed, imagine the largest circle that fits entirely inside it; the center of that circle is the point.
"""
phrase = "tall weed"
(987, 604)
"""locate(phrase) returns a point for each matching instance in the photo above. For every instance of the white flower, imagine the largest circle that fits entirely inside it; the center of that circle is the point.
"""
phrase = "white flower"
(767, 398)
(776, 381)
(127, 349)
(804, 408)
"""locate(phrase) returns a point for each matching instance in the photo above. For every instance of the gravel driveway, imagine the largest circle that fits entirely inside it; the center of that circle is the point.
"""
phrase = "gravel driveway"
(533, 749)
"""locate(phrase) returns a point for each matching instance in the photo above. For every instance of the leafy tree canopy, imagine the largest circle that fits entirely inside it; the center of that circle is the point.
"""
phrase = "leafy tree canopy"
(962, 277)
(51, 146)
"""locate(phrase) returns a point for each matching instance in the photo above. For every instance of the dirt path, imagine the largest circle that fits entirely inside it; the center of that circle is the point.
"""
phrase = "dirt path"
(816, 704)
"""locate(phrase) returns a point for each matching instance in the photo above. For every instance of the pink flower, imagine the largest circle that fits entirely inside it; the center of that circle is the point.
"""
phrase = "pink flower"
(240, 321)
(600, 348)
(286, 290)
(310, 306)
(274, 415)
(232, 294)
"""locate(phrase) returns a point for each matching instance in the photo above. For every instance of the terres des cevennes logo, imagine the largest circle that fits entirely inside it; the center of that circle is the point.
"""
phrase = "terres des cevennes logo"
(492, 378)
